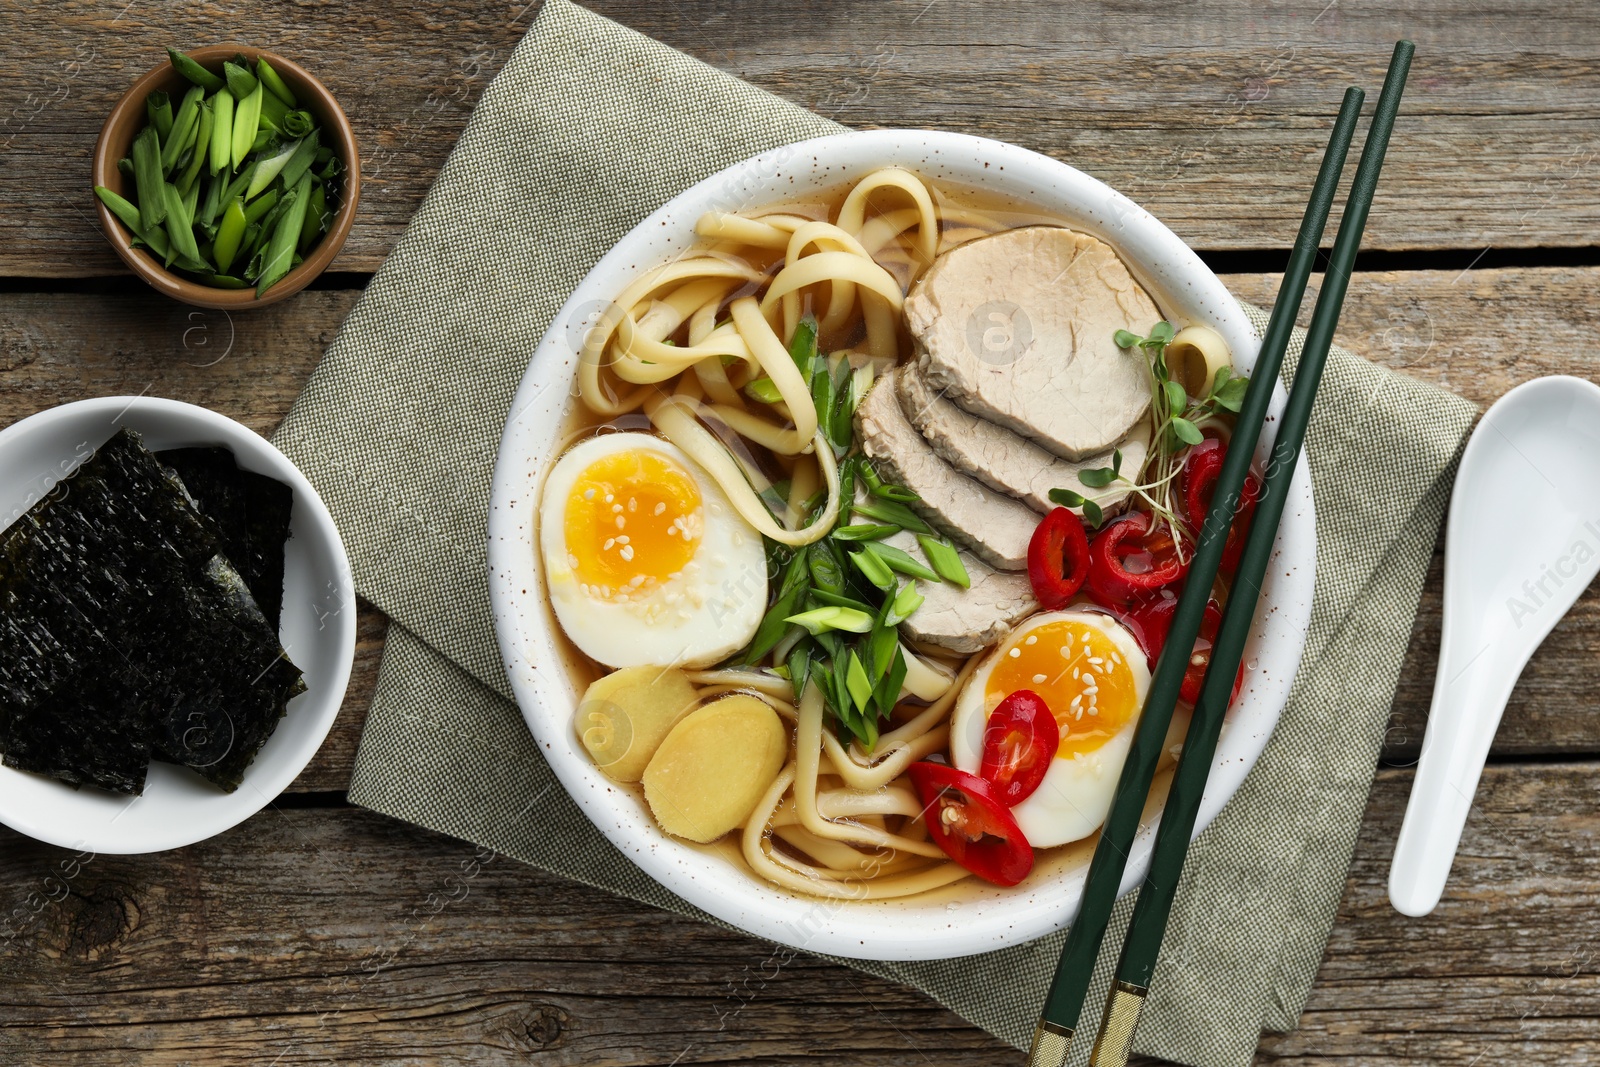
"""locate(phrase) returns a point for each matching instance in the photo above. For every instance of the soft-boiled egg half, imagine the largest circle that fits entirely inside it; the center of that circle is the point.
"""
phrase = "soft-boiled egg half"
(646, 561)
(1091, 672)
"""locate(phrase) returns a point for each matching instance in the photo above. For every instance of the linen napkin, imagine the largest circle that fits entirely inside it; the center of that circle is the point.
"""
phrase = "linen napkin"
(589, 127)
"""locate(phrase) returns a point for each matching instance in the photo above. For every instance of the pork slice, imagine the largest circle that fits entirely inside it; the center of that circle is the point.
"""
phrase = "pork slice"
(1006, 461)
(960, 620)
(994, 527)
(1018, 328)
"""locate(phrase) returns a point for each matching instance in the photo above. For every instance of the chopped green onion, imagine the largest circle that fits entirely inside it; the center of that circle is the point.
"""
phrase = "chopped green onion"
(857, 682)
(823, 398)
(827, 571)
(316, 218)
(905, 602)
(763, 391)
(229, 233)
(274, 83)
(180, 227)
(946, 560)
(202, 143)
(269, 168)
(261, 205)
(129, 214)
(300, 162)
(192, 70)
(840, 429)
(873, 569)
(864, 532)
(240, 183)
(183, 128)
(297, 124)
(147, 178)
(837, 600)
(900, 493)
(221, 131)
(280, 250)
(803, 345)
(211, 206)
(799, 664)
(890, 683)
(241, 83)
(158, 110)
(899, 560)
(246, 123)
(832, 617)
(892, 512)
(273, 112)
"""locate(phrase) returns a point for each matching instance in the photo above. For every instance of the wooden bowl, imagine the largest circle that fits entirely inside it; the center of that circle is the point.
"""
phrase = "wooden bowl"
(128, 118)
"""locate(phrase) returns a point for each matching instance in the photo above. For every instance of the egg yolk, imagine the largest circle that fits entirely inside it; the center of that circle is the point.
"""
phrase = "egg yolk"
(633, 519)
(1079, 671)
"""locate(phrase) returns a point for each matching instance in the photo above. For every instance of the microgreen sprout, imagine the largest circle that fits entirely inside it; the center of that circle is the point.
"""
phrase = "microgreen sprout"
(1175, 419)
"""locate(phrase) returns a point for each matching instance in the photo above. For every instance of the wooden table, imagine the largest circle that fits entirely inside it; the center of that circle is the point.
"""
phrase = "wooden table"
(320, 932)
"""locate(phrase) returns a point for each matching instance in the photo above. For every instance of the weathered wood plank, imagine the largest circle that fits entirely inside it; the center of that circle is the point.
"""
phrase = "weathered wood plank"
(313, 935)
(1212, 116)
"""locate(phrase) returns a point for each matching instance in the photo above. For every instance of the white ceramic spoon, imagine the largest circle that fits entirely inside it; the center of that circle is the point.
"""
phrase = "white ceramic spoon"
(1523, 542)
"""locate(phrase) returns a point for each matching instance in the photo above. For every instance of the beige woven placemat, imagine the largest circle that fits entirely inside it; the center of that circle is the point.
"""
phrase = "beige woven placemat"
(589, 128)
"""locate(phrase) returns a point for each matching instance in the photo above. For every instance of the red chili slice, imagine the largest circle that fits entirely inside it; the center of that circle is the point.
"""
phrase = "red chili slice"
(1058, 559)
(1199, 483)
(1131, 559)
(1150, 622)
(1019, 741)
(966, 820)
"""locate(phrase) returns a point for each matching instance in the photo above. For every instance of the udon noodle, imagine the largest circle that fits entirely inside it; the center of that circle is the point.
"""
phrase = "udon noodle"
(748, 355)
(837, 821)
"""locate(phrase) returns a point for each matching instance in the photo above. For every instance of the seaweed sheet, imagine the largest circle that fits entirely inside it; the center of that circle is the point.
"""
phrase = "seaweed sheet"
(251, 512)
(128, 635)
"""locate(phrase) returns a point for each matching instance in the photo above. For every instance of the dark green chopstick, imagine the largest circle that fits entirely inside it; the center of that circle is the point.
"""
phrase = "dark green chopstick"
(1142, 945)
(1064, 1002)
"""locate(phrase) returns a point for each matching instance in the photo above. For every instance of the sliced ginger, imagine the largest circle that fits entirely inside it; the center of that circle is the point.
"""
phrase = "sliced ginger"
(624, 717)
(713, 767)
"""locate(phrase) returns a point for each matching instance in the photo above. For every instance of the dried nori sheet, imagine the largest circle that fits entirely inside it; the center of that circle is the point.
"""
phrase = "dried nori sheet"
(128, 634)
(251, 512)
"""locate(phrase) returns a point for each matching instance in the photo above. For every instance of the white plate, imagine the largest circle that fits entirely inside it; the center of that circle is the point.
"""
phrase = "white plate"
(178, 807)
(976, 917)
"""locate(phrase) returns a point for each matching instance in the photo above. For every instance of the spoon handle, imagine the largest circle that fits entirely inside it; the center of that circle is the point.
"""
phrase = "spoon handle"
(1468, 700)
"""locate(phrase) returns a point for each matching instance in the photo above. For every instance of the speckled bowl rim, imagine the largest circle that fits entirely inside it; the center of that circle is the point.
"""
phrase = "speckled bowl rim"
(989, 918)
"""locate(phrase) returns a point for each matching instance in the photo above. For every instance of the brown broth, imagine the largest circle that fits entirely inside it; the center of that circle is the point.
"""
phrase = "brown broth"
(993, 213)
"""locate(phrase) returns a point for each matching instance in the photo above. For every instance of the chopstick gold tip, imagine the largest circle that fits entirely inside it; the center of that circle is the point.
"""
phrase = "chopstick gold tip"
(1115, 1039)
(1050, 1045)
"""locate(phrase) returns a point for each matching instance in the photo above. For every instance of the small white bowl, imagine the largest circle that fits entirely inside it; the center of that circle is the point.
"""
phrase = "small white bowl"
(318, 630)
(974, 916)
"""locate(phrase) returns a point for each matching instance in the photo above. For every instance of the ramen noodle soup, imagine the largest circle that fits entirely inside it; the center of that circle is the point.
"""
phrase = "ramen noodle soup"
(871, 528)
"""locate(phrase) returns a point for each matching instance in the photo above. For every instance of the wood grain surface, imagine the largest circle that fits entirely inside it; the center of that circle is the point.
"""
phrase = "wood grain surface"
(317, 932)
(336, 935)
(1211, 115)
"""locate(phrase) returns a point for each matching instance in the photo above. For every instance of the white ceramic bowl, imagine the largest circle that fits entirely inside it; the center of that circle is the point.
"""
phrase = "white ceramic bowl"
(974, 917)
(318, 630)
